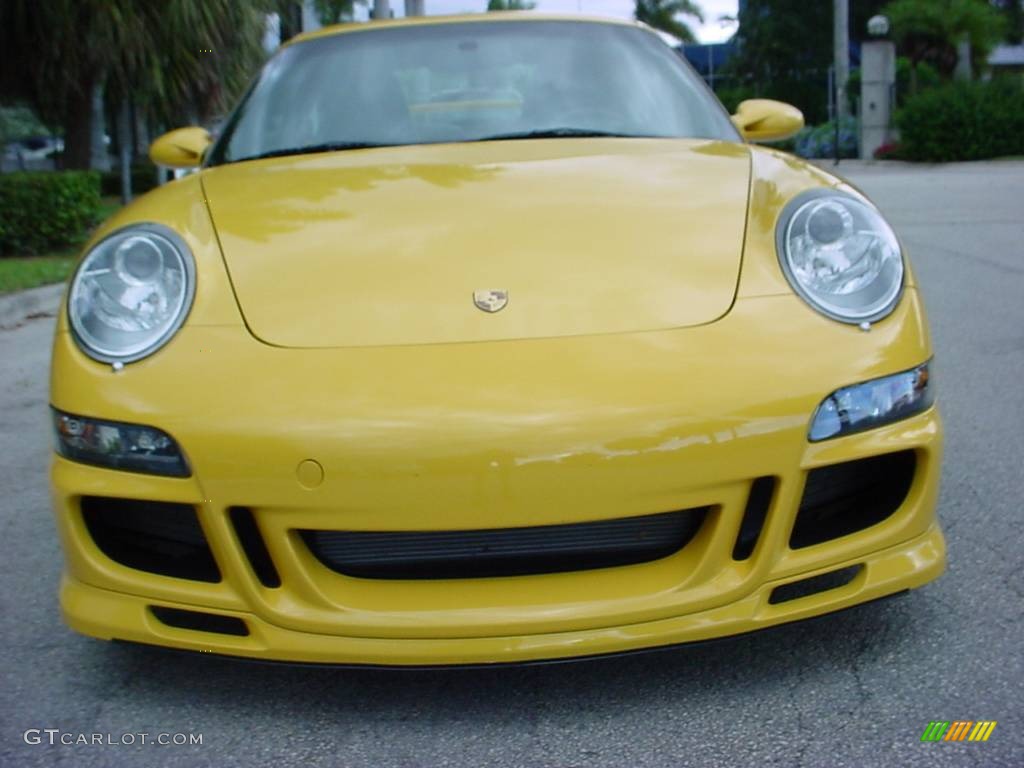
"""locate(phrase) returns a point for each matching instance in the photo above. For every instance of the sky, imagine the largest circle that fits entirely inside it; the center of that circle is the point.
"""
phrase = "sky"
(712, 31)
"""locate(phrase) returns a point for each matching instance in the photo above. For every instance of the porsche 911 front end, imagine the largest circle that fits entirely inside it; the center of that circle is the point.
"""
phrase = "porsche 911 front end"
(463, 384)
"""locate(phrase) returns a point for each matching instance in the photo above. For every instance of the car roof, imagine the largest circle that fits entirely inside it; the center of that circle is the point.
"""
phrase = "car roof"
(464, 18)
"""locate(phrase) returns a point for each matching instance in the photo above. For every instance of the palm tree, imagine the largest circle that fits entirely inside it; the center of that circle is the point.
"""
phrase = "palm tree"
(663, 15)
(199, 56)
(929, 30)
(169, 56)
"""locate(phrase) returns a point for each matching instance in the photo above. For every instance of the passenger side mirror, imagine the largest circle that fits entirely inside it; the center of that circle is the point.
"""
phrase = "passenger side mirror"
(182, 148)
(767, 120)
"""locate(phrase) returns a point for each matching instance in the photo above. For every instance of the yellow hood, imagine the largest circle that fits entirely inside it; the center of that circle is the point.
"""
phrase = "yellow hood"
(388, 246)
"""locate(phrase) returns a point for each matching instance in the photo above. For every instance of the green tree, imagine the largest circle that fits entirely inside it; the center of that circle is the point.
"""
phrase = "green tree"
(929, 30)
(510, 5)
(664, 15)
(785, 49)
(205, 53)
(1013, 11)
(172, 57)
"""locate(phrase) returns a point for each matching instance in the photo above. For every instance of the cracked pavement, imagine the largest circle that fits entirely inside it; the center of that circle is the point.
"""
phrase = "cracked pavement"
(852, 689)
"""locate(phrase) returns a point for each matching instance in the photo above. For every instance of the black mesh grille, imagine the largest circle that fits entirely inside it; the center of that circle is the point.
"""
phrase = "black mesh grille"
(154, 536)
(845, 498)
(504, 551)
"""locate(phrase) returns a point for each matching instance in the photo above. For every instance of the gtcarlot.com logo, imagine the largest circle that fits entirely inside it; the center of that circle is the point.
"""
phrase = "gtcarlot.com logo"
(958, 730)
(57, 737)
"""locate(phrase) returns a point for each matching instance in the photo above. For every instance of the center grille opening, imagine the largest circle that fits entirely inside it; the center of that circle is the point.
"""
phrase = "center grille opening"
(505, 551)
(154, 536)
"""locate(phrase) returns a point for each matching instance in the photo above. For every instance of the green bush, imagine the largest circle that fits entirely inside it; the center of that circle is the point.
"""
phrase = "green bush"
(963, 121)
(40, 211)
(927, 77)
(143, 180)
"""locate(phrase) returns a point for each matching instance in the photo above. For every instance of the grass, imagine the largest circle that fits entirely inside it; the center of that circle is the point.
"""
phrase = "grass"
(19, 273)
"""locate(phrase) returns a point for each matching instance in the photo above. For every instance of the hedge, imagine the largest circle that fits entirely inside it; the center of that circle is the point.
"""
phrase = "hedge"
(963, 121)
(40, 211)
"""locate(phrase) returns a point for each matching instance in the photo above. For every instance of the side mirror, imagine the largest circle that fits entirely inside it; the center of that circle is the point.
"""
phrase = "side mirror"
(182, 148)
(767, 120)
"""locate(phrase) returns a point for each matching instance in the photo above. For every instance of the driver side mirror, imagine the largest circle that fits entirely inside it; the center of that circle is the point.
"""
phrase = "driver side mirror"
(183, 148)
(767, 120)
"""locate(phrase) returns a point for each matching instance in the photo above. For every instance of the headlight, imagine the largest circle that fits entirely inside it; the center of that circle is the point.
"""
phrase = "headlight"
(131, 293)
(130, 447)
(873, 404)
(841, 256)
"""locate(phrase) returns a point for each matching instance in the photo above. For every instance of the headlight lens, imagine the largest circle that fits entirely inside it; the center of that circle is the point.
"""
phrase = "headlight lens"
(130, 447)
(131, 293)
(873, 404)
(841, 256)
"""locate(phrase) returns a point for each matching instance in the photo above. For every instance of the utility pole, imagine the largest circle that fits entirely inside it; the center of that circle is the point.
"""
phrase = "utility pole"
(841, 28)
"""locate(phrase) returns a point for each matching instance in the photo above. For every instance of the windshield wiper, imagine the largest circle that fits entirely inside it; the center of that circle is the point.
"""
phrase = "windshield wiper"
(560, 133)
(309, 149)
(546, 133)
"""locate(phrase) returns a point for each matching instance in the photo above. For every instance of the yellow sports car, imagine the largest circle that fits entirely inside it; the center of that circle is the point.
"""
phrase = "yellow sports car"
(488, 339)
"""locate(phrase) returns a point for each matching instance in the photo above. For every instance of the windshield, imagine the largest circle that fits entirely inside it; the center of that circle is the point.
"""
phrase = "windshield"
(469, 81)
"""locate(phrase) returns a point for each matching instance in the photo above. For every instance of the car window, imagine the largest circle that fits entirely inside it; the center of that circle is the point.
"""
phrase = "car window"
(469, 82)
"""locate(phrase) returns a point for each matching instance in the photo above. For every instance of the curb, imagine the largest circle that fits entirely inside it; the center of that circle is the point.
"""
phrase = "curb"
(829, 164)
(16, 308)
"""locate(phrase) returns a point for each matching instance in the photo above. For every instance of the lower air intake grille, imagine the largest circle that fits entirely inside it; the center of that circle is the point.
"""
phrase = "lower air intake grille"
(504, 551)
(841, 499)
(154, 536)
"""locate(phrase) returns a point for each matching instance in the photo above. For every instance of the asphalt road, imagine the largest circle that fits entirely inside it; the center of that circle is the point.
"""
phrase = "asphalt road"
(854, 689)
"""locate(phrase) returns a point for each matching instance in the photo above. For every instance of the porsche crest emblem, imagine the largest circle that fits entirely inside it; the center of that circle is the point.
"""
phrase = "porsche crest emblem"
(490, 301)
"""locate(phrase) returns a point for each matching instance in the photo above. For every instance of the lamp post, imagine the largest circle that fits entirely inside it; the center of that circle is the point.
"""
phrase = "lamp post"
(841, 42)
(877, 81)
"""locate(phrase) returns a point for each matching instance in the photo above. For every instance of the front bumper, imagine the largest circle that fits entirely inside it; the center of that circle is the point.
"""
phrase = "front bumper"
(113, 615)
(460, 437)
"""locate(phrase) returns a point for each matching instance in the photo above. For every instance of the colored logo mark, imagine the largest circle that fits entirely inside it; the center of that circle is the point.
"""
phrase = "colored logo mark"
(958, 730)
